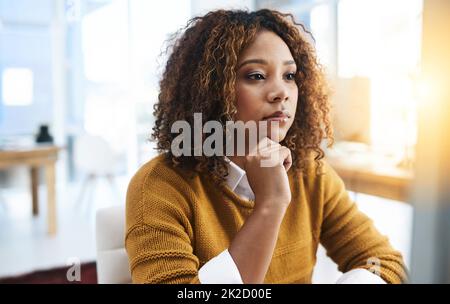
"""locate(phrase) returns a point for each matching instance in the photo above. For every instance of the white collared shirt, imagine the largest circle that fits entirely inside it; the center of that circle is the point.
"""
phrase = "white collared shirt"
(223, 270)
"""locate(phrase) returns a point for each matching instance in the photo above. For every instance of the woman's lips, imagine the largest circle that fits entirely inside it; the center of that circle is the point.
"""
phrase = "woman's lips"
(280, 116)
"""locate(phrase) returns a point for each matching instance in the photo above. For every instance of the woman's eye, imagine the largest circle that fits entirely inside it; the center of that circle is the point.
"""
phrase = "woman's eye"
(255, 76)
(290, 76)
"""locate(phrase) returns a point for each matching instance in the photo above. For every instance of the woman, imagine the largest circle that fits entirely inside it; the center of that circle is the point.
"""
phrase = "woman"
(216, 218)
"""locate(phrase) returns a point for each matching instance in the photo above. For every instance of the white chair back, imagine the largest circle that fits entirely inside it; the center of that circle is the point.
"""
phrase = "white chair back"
(94, 155)
(112, 258)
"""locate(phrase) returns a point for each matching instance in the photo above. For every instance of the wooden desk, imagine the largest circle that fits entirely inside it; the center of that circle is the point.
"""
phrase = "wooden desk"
(387, 182)
(36, 157)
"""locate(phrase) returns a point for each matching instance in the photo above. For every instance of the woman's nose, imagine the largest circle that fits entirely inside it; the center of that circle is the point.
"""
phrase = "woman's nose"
(278, 92)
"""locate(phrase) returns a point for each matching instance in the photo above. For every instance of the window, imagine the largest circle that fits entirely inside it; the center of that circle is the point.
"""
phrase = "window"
(380, 40)
(17, 87)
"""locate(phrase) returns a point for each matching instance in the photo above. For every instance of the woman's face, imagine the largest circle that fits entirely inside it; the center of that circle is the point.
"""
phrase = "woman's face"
(265, 85)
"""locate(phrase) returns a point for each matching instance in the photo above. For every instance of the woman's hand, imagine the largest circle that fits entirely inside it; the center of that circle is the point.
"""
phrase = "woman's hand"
(266, 167)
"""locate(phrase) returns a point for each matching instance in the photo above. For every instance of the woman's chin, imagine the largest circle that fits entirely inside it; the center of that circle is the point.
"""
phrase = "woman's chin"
(277, 135)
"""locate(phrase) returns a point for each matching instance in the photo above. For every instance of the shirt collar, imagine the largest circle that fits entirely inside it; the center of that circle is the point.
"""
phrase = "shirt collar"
(235, 174)
(238, 182)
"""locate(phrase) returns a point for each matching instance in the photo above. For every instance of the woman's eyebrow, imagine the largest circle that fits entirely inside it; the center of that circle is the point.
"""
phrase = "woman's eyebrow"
(288, 62)
(262, 61)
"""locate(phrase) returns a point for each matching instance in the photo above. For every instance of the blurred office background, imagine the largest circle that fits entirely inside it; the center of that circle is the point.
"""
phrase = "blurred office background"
(89, 71)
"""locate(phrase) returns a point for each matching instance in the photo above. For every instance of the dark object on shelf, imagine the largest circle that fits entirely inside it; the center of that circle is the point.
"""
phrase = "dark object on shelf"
(44, 136)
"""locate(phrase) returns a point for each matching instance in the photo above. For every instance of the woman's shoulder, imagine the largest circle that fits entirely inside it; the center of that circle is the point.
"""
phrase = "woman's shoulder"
(156, 185)
(157, 170)
(157, 163)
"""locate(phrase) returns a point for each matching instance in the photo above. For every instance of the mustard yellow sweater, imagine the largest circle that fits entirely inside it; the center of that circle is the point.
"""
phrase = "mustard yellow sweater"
(174, 225)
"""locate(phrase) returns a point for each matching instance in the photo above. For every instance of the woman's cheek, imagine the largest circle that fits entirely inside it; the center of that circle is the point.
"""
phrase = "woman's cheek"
(246, 103)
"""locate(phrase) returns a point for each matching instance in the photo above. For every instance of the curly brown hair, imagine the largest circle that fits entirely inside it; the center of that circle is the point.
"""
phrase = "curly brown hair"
(200, 77)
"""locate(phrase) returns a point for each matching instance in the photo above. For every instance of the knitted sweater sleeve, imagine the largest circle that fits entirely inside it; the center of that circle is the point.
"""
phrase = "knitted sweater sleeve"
(350, 237)
(158, 237)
